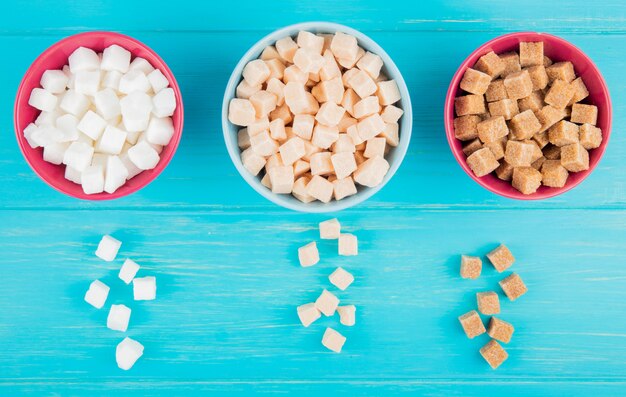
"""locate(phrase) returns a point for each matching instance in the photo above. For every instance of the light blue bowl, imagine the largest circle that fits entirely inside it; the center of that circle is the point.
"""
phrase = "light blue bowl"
(394, 157)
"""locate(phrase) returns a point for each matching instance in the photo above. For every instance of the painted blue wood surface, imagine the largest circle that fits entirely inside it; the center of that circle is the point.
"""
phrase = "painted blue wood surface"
(224, 322)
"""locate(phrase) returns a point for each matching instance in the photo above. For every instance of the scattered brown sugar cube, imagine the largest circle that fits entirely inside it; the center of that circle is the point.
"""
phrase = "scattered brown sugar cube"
(501, 258)
(548, 116)
(538, 163)
(472, 146)
(531, 54)
(482, 162)
(505, 171)
(465, 127)
(580, 91)
(519, 154)
(533, 102)
(475, 82)
(541, 139)
(513, 286)
(469, 104)
(575, 157)
(511, 63)
(494, 354)
(561, 71)
(471, 266)
(590, 137)
(547, 61)
(538, 76)
(491, 64)
(553, 174)
(526, 179)
(472, 324)
(492, 129)
(552, 152)
(497, 147)
(496, 91)
(518, 85)
(524, 125)
(506, 108)
(582, 114)
(563, 133)
(500, 330)
(559, 94)
(488, 302)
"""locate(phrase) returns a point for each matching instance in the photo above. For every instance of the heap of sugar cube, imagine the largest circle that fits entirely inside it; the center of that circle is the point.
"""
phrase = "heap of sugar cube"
(525, 119)
(318, 117)
(103, 116)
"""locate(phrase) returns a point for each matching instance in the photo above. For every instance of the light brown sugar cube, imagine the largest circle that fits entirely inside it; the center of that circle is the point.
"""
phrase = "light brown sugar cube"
(492, 129)
(277, 69)
(258, 126)
(482, 162)
(590, 136)
(324, 136)
(264, 102)
(252, 161)
(299, 190)
(286, 48)
(391, 133)
(345, 122)
(475, 82)
(319, 188)
(472, 324)
(465, 127)
(341, 278)
(327, 303)
(281, 179)
(388, 92)
(362, 84)
(500, 330)
(580, 91)
(488, 302)
(505, 171)
(552, 152)
(303, 125)
(370, 126)
(531, 54)
(366, 106)
(511, 63)
(292, 150)
(513, 286)
(518, 85)
(330, 229)
(537, 153)
(333, 340)
(343, 144)
(330, 69)
(296, 98)
(308, 255)
(563, 133)
(263, 145)
(506, 108)
(491, 64)
(471, 266)
(245, 90)
(349, 63)
(300, 168)
(241, 112)
(329, 91)
(330, 114)
(321, 163)
(548, 116)
(532, 102)
(582, 114)
(282, 112)
(256, 72)
(374, 147)
(371, 172)
(560, 94)
(344, 46)
(344, 164)
(269, 52)
(348, 245)
(497, 147)
(541, 139)
(526, 179)
(574, 157)
(494, 354)
(472, 146)
(561, 71)
(391, 114)
(538, 76)
(347, 315)
(496, 91)
(243, 139)
(371, 64)
(308, 313)
(349, 99)
(293, 74)
(469, 104)
(311, 41)
(501, 258)
(553, 173)
(524, 125)
(343, 188)
(274, 160)
(309, 61)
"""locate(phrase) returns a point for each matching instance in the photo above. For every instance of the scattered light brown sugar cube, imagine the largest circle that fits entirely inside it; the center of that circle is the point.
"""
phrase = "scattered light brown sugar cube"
(494, 354)
(501, 258)
(475, 82)
(531, 54)
(505, 171)
(563, 133)
(472, 324)
(519, 153)
(538, 76)
(469, 104)
(327, 303)
(548, 116)
(524, 125)
(308, 255)
(471, 266)
(308, 313)
(341, 278)
(333, 340)
(465, 127)
(500, 330)
(552, 152)
(511, 63)
(472, 146)
(574, 157)
(582, 114)
(590, 137)
(492, 129)
(533, 102)
(526, 179)
(488, 302)
(497, 147)
(482, 162)
(561, 71)
(496, 91)
(513, 286)
(580, 91)
(348, 244)
(518, 85)
(559, 94)
(506, 108)
(553, 173)
(490, 64)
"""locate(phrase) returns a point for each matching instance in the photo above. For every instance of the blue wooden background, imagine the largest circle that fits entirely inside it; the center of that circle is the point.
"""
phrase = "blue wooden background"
(224, 322)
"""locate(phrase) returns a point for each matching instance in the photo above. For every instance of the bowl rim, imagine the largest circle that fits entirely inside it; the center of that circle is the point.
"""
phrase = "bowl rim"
(448, 115)
(163, 163)
(288, 201)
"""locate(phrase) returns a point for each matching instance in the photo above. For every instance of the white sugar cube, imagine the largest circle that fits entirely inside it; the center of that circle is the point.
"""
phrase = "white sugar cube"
(46, 135)
(348, 244)
(371, 64)
(308, 255)
(310, 41)
(263, 144)
(264, 102)
(160, 130)
(72, 174)
(259, 126)
(83, 59)
(78, 155)
(327, 303)
(55, 152)
(92, 179)
(309, 61)
(108, 248)
(164, 103)
(333, 340)
(111, 141)
(388, 92)
(344, 46)
(363, 85)
(136, 108)
(157, 80)
(281, 179)
(42, 99)
(92, 125)
(133, 170)
(115, 174)
(144, 288)
(343, 188)
(292, 150)
(330, 114)
(344, 164)
(366, 106)
(347, 315)
(299, 190)
(287, 48)
(118, 318)
(350, 63)
(115, 58)
(107, 103)
(293, 74)
(300, 168)
(54, 81)
(128, 271)
(391, 133)
(341, 278)
(100, 159)
(134, 81)
(75, 103)
(112, 80)
(375, 147)
(329, 91)
(143, 156)
(142, 65)
(391, 114)
(48, 118)
(308, 313)
(245, 90)
(320, 188)
(303, 125)
(68, 125)
(296, 98)
(97, 294)
(127, 353)
(252, 161)
(321, 163)
(277, 130)
(370, 126)
(371, 172)
(324, 136)
(330, 229)
(29, 131)
(256, 72)
(87, 82)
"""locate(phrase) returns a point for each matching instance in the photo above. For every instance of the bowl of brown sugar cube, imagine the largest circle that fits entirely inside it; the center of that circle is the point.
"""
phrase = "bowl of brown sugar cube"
(528, 116)
(316, 117)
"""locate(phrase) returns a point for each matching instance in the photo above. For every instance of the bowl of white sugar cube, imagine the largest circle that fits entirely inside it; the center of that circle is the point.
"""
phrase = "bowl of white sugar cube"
(316, 117)
(98, 115)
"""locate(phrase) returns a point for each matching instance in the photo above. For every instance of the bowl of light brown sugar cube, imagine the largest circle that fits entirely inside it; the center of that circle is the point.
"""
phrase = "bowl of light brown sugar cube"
(316, 117)
(528, 116)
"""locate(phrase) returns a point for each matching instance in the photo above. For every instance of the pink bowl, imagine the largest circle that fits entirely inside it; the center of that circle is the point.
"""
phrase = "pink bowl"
(558, 50)
(54, 58)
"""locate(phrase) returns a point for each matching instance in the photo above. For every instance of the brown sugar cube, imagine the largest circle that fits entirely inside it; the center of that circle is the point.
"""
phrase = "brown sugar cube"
(561, 71)
(475, 82)
(492, 129)
(488, 302)
(472, 146)
(465, 127)
(552, 152)
(511, 63)
(500, 330)
(469, 104)
(580, 91)
(505, 171)
(582, 114)
(531, 54)
(491, 64)
(538, 76)
(482, 162)
(526, 179)
(506, 108)
(575, 157)
(519, 154)
(518, 85)
(472, 324)
(533, 102)
(547, 61)
(494, 354)
(590, 137)
(537, 153)
(563, 133)
(538, 163)
(553, 173)
(559, 94)
(471, 266)
(484, 116)
(496, 91)
(497, 147)
(513, 286)
(501, 258)
(524, 125)
(548, 116)
(541, 139)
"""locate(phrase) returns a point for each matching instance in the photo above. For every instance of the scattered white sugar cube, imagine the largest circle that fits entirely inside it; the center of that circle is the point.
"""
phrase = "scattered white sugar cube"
(292, 150)
(388, 92)
(42, 100)
(252, 161)
(327, 303)
(68, 125)
(83, 59)
(92, 179)
(309, 61)
(371, 64)
(341, 278)
(371, 172)
(108, 248)
(263, 102)
(347, 315)
(391, 114)
(344, 164)
(111, 141)
(363, 85)
(375, 147)
(127, 353)
(157, 80)
(330, 114)
(303, 125)
(144, 288)
(310, 41)
(160, 130)
(78, 155)
(128, 271)
(115, 174)
(115, 58)
(343, 188)
(132, 81)
(75, 103)
(118, 318)
(348, 244)
(308, 255)
(97, 294)
(308, 313)
(54, 81)
(107, 103)
(344, 46)
(286, 48)
(320, 188)
(92, 125)
(333, 340)
(112, 80)
(241, 112)
(55, 152)
(142, 65)
(87, 82)
(281, 179)
(256, 72)
(143, 156)
(330, 229)
(370, 126)
(136, 108)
